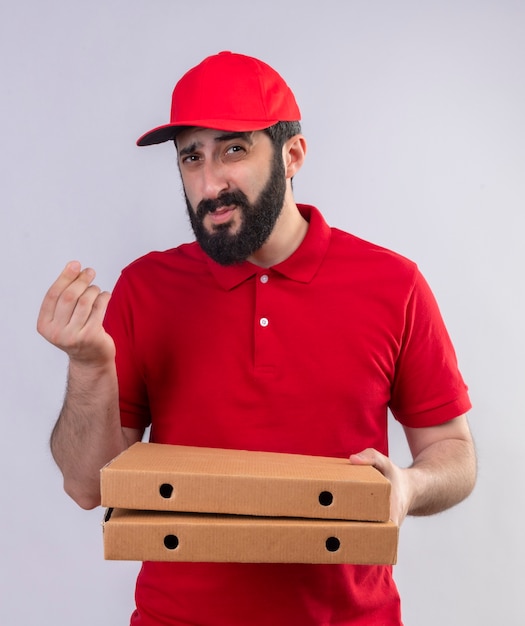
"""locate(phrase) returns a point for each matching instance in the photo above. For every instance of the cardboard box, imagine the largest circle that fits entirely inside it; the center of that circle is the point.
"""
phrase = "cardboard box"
(167, 536)
(161, 477)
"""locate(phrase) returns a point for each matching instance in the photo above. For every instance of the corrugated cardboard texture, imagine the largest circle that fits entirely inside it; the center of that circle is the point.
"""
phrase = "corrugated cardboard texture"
(207, 480)
(167, 536)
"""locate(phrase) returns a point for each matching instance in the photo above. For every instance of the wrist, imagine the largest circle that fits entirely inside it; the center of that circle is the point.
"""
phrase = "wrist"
(91, 367)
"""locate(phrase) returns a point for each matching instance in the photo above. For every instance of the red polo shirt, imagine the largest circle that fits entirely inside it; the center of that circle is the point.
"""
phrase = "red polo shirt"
(304, 357)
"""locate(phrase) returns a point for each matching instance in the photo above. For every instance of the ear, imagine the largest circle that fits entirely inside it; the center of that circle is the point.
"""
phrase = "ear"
(294, 153)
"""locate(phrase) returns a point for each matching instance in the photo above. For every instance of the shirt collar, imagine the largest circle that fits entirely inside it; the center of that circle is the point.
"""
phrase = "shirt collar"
(301, 266)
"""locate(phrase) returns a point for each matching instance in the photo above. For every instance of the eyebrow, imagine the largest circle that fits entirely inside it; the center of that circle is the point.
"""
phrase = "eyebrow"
(244, 135)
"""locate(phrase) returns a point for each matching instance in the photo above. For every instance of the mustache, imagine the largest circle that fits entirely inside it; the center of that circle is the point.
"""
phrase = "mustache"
(227, 198)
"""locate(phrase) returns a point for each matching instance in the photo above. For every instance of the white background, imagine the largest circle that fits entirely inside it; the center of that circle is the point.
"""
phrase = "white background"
(414, 115)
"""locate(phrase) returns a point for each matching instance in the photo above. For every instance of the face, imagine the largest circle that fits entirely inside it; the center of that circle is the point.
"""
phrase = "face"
(234, 185)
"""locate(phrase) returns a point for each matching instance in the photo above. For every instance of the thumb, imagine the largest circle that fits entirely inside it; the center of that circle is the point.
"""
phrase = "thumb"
(365, 457)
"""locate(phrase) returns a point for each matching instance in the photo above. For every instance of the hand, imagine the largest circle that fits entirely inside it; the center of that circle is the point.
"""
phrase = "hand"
(71, 317)
(398, 477)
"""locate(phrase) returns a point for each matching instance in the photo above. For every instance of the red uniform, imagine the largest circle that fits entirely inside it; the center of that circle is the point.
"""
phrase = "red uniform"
(305, 357)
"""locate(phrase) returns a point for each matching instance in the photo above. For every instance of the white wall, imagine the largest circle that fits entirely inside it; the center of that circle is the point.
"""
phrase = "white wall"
(414, 115)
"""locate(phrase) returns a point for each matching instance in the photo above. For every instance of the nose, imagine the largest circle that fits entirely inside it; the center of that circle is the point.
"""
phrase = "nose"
(213, 180)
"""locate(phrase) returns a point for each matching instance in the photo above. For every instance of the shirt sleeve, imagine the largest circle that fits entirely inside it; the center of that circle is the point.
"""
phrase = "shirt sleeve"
(428, 387)
(119, 323)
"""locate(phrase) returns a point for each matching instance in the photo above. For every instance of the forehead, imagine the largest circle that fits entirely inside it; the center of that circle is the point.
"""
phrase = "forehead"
(199, 137)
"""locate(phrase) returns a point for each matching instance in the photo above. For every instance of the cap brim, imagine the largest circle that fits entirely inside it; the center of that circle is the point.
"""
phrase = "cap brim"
(159, 135)
(169, 131)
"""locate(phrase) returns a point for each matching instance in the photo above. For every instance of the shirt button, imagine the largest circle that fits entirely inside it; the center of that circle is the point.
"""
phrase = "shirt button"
(263, 322)
(264, 278)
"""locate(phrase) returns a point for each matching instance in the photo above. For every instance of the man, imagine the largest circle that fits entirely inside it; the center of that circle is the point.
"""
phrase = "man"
(272, 332)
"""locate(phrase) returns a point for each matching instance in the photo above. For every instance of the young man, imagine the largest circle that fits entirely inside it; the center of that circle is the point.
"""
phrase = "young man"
(273, 332)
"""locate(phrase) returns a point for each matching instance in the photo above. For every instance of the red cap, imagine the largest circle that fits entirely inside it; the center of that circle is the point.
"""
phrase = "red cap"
(227, 91)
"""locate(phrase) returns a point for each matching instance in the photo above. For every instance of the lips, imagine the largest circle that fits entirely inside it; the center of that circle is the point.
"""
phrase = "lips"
(221, 214)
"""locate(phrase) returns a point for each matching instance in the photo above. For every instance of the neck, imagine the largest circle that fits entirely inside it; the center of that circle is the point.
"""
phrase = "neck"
(287, 235)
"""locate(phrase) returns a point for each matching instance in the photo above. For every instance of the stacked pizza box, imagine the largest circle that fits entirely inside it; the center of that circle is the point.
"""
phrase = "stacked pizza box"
(181, 503)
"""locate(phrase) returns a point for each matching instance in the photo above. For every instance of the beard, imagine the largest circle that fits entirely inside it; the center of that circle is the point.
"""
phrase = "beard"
(257, 219)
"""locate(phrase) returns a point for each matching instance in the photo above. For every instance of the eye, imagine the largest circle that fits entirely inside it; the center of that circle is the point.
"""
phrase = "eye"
(190, 158)
(235, 151)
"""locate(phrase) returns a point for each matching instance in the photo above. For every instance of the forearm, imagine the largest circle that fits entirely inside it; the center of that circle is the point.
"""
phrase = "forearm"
(442, 475)
(88, 433)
